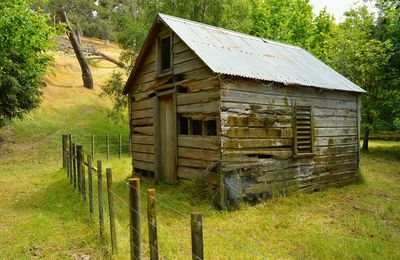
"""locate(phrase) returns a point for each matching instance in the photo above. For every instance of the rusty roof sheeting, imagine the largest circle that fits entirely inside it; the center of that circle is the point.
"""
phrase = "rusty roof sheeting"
(232, 53)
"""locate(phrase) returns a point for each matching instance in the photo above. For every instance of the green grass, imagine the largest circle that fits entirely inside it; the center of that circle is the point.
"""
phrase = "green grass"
(42, 216)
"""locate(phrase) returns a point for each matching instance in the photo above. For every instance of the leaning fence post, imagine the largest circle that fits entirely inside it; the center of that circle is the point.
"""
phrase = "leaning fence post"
(90, 186)
(119, 146)
(79, 166)
(74, 163)
(134, 220)
(108, 146)
(64, 150)
(100, 198)
(197, 236)
(92, 146)
(152, 223)
(111, 212)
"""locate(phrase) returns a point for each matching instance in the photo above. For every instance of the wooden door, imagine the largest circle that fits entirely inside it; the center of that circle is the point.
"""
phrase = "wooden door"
(167, 138)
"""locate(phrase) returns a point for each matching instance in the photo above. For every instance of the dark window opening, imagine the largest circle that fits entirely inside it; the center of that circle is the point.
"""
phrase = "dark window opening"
(183, 125)
(182, 89)
(260, 156)
(197, 127)
(210, 127)
(165, 54)
(178, 77)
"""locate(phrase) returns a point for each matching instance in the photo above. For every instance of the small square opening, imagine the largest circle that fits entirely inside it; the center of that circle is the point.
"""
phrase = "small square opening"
(210, 127)
(197, 127)
(183, 125)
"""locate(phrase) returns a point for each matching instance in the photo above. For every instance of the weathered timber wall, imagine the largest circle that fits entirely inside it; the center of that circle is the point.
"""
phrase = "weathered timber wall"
(195, 153)
(257, 138)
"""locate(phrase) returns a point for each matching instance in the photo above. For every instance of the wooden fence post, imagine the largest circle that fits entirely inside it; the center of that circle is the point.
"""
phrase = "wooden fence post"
(64, 150)
(79, 166)
(92, 146)
(152, 223)
(74, 163)
(90, 186)
(111, 212)
(134, 210)
(119, 146)
(197, 236)
(70, 156)
(83, 177)
(108, 146)
(100, 197)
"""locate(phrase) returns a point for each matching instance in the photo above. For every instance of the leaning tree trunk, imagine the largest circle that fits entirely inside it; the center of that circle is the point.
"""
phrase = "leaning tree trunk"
(366, 133)
(86, 73)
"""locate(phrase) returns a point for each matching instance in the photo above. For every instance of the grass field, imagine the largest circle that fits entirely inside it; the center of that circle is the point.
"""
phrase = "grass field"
(42, 216)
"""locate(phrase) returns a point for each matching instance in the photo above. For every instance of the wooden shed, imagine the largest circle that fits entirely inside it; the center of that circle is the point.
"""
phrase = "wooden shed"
(249, 115)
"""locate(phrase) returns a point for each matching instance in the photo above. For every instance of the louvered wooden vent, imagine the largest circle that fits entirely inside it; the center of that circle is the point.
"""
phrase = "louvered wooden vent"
(303, 131)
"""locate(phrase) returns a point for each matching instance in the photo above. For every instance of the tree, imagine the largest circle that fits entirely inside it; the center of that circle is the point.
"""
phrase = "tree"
(358, 54)
(25, 38)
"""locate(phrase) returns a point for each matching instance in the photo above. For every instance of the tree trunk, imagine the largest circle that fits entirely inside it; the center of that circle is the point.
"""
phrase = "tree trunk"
(86, 73)
(366, 139)
(366, 133)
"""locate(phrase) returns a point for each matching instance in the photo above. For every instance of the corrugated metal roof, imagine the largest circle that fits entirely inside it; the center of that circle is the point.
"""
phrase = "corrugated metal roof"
(232, 53)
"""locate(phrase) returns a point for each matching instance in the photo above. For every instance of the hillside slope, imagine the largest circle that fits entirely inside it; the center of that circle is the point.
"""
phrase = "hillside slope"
(36, 217)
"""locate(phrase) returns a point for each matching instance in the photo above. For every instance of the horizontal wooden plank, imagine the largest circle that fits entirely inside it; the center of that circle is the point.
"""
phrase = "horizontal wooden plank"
(143, 148)
(209, 107)
(183, 56)
(199, 142)
(334, 112)
(331, 150)
(143, 165)
(335, 122)
(229, 156)
(288, 90)
(257, 120)
(230, 108)
(144, 130)
(196, 97)
(244, 132)
(143, 157)
(257, 98)
(335, 140)
(145, 104)
(142, 139)
(266, 165)
(184, 162)
(231, 143)
(143, 113)
(206, 81)
(188, 173)
(143, 121)
(189, 65)
(333, 131)
(199, 154)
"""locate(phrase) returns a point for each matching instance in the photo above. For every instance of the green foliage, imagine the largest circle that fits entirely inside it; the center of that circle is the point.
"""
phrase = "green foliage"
(25, 38)
(113, 89)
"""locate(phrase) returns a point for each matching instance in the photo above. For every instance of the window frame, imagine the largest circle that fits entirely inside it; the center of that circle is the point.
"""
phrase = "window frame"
(158, 62)
(296, 152)
(203, 126)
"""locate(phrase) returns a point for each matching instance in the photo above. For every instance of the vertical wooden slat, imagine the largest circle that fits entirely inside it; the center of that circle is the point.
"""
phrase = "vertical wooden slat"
(83, 177)
(111, 211)
(197, 236)
(64, 151)
(90, 185)
(100, 197)
(70, 156)
(134, 221)
(74, 164)
(152, 223)
(79, 166)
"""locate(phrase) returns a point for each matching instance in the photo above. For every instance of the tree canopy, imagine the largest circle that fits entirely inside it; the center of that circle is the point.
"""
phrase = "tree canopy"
(25, 37)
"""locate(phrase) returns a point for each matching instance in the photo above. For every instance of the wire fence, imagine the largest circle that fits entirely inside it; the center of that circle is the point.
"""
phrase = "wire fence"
(127, 220)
